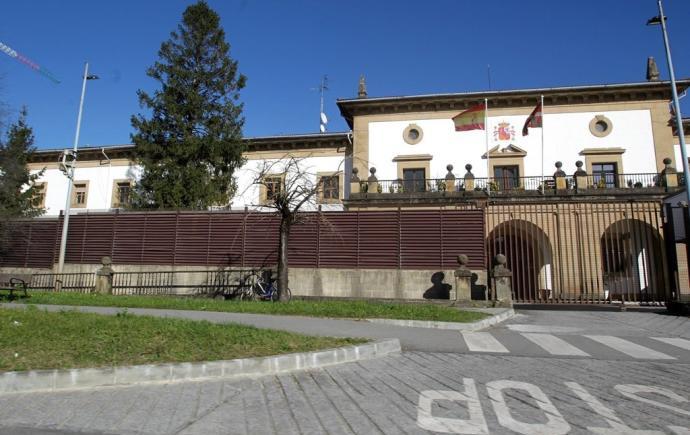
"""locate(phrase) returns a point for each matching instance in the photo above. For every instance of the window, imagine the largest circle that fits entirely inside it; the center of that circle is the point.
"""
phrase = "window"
(414, 179)
(273, 187)
(507, 177)
(80, 191)
(39, 195)
(605, 175)
(122, 193)
(600, 126)
(330, 188)
(413, 134)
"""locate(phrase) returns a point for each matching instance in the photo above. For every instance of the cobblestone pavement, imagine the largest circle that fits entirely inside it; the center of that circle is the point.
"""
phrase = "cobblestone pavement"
(625, 381)
(503, 394)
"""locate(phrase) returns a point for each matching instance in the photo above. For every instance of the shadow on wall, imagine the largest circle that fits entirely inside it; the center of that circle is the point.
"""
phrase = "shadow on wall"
(439, 289)
(478, 291)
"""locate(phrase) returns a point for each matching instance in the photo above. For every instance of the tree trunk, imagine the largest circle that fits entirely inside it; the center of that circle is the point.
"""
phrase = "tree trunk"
(283, 258)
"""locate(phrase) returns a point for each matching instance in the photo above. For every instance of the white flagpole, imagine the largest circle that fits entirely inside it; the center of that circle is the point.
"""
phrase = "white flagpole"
(543, 177)
(486, 131)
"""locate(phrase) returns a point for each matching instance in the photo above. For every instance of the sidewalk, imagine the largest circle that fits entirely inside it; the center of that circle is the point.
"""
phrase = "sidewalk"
(420, 339)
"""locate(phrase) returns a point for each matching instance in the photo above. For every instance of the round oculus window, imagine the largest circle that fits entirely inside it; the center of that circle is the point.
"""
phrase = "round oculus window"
(413, 134)
(600, 126)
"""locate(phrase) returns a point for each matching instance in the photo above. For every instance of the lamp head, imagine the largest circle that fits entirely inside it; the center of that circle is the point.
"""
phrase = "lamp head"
(655, 21)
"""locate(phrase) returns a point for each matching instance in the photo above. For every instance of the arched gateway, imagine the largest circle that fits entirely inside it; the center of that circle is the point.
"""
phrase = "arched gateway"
(529, 257)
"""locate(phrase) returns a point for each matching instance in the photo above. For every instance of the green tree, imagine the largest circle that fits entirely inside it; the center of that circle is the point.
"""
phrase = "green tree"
(191, 143)
(17, 191)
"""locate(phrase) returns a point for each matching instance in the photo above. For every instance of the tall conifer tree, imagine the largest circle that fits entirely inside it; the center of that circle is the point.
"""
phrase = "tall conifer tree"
(191, 143)
(17, 192)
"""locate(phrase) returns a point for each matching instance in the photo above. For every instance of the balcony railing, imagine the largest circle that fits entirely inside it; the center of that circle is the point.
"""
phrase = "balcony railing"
(593, 183)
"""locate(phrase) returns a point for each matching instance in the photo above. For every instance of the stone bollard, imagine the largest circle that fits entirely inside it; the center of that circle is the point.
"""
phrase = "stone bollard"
(354, 181)
(669, 176)
(104, 277)
(450, 179)
(502, 281)
(463, 280)
(580, 177)
(559, 177)
(469, 178)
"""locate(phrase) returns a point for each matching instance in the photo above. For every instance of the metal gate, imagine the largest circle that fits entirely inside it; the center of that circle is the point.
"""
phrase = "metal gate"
(581, 252)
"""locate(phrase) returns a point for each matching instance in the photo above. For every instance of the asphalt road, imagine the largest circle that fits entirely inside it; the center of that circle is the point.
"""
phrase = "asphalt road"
(544, 372)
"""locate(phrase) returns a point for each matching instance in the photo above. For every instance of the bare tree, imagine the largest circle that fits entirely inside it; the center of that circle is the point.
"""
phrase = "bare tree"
(290, 187)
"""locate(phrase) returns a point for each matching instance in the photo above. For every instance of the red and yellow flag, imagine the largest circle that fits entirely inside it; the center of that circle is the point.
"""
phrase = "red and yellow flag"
(471, 119)
(534, 120)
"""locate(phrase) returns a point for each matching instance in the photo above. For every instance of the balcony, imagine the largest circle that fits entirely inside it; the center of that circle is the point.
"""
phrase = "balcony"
(557, 185)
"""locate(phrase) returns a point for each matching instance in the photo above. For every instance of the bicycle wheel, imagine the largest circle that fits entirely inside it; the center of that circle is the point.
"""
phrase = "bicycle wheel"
(274, 295)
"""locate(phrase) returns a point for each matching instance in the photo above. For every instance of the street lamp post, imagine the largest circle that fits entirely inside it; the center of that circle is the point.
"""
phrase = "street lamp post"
(70, 171)
(661, 19)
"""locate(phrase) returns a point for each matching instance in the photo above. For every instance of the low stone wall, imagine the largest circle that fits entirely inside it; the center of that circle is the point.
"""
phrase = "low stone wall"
(325, 282)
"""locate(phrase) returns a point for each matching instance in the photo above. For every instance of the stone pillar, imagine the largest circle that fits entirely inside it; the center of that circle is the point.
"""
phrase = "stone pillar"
(354, 181)
(372, 181)
(559, 177)
(450, 179)
(502, 282)
(469, 178)
(668, 175)
(104, 277)
(580, 177)
(463, 281)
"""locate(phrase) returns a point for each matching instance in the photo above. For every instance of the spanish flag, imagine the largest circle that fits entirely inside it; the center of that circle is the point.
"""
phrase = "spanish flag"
(471, 119)
(534, 120)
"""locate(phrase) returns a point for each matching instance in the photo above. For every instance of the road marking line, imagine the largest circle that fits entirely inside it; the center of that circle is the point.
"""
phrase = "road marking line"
(678, 342)
(628, 348)
(554, 345)
(483, 342)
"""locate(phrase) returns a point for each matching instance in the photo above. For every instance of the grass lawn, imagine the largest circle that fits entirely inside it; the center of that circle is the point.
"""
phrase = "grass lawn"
(344, 309)
(36, 339)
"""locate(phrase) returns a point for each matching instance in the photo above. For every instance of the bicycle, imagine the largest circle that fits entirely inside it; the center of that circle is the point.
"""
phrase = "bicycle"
(264, 288)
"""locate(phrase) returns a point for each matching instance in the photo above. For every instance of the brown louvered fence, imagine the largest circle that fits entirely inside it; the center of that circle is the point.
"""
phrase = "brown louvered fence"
(405, 239)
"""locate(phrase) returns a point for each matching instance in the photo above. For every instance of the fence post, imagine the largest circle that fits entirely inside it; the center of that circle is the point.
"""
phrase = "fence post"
(463, 281)
(502, 280)
(469, 178)
(104, 277)
(450, 179)
(354, 181)
(559, 177)
(372, 181)
(669, 176)
(580, 177)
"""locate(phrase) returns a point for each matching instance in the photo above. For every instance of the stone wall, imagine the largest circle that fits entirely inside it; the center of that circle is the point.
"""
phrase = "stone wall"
(322, 282)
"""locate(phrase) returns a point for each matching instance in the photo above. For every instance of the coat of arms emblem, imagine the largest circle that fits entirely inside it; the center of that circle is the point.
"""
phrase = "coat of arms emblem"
(504, 131)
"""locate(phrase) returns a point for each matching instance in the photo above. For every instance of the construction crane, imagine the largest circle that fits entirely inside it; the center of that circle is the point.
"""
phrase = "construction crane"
(28, 62)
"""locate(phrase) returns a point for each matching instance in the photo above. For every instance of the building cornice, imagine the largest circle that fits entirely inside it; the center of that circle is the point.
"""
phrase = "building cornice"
(261, 143)
(571, 95)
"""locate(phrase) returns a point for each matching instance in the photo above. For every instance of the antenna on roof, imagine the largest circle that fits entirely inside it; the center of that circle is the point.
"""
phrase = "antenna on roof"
(323, 120)
(488, 74)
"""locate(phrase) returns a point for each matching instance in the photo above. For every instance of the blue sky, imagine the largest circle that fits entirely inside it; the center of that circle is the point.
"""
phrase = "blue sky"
(284, 47)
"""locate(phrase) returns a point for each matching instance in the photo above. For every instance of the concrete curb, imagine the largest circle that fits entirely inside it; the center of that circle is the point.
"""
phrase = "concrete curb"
(474, 326)
(54, 380)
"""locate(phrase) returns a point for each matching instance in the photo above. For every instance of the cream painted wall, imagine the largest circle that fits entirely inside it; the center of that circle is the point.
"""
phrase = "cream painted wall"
(101, 183)
(100, 186)
(248, 193)
(565, 135)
